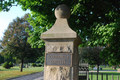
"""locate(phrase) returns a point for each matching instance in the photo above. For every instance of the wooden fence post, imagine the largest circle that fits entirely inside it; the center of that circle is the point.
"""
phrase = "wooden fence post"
(117, 77)
(112, 76)
(91, 76)
(106, 76)
(87, 75)
(102, 76)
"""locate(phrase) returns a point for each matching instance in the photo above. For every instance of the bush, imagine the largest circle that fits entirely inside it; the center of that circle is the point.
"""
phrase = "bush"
(34, 64)
(39, 65)
(10, 64)
(6, 65)
(92, 66)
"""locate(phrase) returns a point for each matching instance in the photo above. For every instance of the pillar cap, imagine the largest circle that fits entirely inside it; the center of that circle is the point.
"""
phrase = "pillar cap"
(62, 11)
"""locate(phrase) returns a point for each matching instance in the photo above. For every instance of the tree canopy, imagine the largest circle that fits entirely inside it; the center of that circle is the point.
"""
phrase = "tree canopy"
(94, 20)
(91, 55)
(5, 5)
(15, 42)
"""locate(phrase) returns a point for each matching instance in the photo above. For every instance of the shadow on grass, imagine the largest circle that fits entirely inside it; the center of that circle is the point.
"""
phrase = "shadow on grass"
(11, 69)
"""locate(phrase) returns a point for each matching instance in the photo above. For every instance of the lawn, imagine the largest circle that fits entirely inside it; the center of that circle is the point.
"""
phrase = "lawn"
(15, 72)
(109, 74)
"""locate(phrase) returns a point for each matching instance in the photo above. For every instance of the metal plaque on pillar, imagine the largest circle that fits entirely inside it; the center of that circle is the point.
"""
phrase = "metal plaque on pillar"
(59, 59)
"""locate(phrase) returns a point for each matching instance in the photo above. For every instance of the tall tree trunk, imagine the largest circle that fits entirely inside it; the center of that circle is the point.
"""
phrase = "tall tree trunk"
(21, 68)
(97, 71)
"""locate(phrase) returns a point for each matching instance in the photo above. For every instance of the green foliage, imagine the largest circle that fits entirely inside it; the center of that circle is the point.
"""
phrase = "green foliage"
(41, 58)
(92, 66)
(6, 65)
(39, 65)
(9, 58)
(35, 34)
(34, 64)
(15, 42)
(84, 14)
(99, 25)
(91, 55)
(108, 37)
(87, 19)
(10, 64)
(5, 5)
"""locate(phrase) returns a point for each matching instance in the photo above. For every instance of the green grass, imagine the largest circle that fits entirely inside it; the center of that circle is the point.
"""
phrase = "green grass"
(15, 72)
(115, 74)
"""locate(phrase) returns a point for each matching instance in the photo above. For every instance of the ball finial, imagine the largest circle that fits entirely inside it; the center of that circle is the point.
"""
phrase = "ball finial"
(62, 11)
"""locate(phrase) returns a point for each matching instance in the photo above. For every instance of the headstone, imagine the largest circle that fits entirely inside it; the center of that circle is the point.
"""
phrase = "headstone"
(61, 48)
(118, 70)
(26, 66)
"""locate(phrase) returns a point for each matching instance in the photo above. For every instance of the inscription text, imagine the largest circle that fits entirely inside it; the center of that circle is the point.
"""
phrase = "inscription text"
(59, 59)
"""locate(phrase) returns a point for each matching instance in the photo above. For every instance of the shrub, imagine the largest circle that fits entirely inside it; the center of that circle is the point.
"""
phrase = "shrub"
(6, 65)
(10, 64)
(92, 66)
(39, 65)
(34, 64)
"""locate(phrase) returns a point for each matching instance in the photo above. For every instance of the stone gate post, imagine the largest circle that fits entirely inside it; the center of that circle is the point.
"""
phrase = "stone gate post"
(61, 48)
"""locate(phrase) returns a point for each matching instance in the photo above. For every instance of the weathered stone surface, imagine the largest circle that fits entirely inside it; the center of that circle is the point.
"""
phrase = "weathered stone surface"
(62, 11)
(59, 47)
(58, 73)
(60, 30)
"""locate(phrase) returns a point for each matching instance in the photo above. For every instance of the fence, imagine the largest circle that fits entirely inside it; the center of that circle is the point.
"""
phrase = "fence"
(104, 76)
(83, 71)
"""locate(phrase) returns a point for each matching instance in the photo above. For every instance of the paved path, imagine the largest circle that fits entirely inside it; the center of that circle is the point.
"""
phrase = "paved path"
(35, 76)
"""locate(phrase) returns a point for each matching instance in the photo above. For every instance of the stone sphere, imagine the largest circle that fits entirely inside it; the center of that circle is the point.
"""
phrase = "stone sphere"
(62, 11)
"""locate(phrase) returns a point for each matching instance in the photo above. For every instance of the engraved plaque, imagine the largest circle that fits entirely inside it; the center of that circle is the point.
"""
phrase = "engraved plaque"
(59, 59)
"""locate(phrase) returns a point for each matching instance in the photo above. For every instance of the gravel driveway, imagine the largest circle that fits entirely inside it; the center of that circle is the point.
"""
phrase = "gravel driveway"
(35, 76)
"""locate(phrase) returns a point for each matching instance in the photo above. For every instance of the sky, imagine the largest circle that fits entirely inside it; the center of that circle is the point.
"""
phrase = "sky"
(7, 17)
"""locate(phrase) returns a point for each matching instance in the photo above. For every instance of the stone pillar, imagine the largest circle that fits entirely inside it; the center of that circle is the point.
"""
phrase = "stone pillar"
(61, 48)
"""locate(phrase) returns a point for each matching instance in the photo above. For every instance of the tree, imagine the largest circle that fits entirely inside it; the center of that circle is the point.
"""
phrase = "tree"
(87, 17)
(15, 42)
(41, 58)
(92, 56)
(9, 58)
(1, 59)
(85, 13)
(5, 5)
(109, 37)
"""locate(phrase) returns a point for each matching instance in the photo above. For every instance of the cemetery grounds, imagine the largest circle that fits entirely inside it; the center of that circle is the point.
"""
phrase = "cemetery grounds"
(15, 72)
